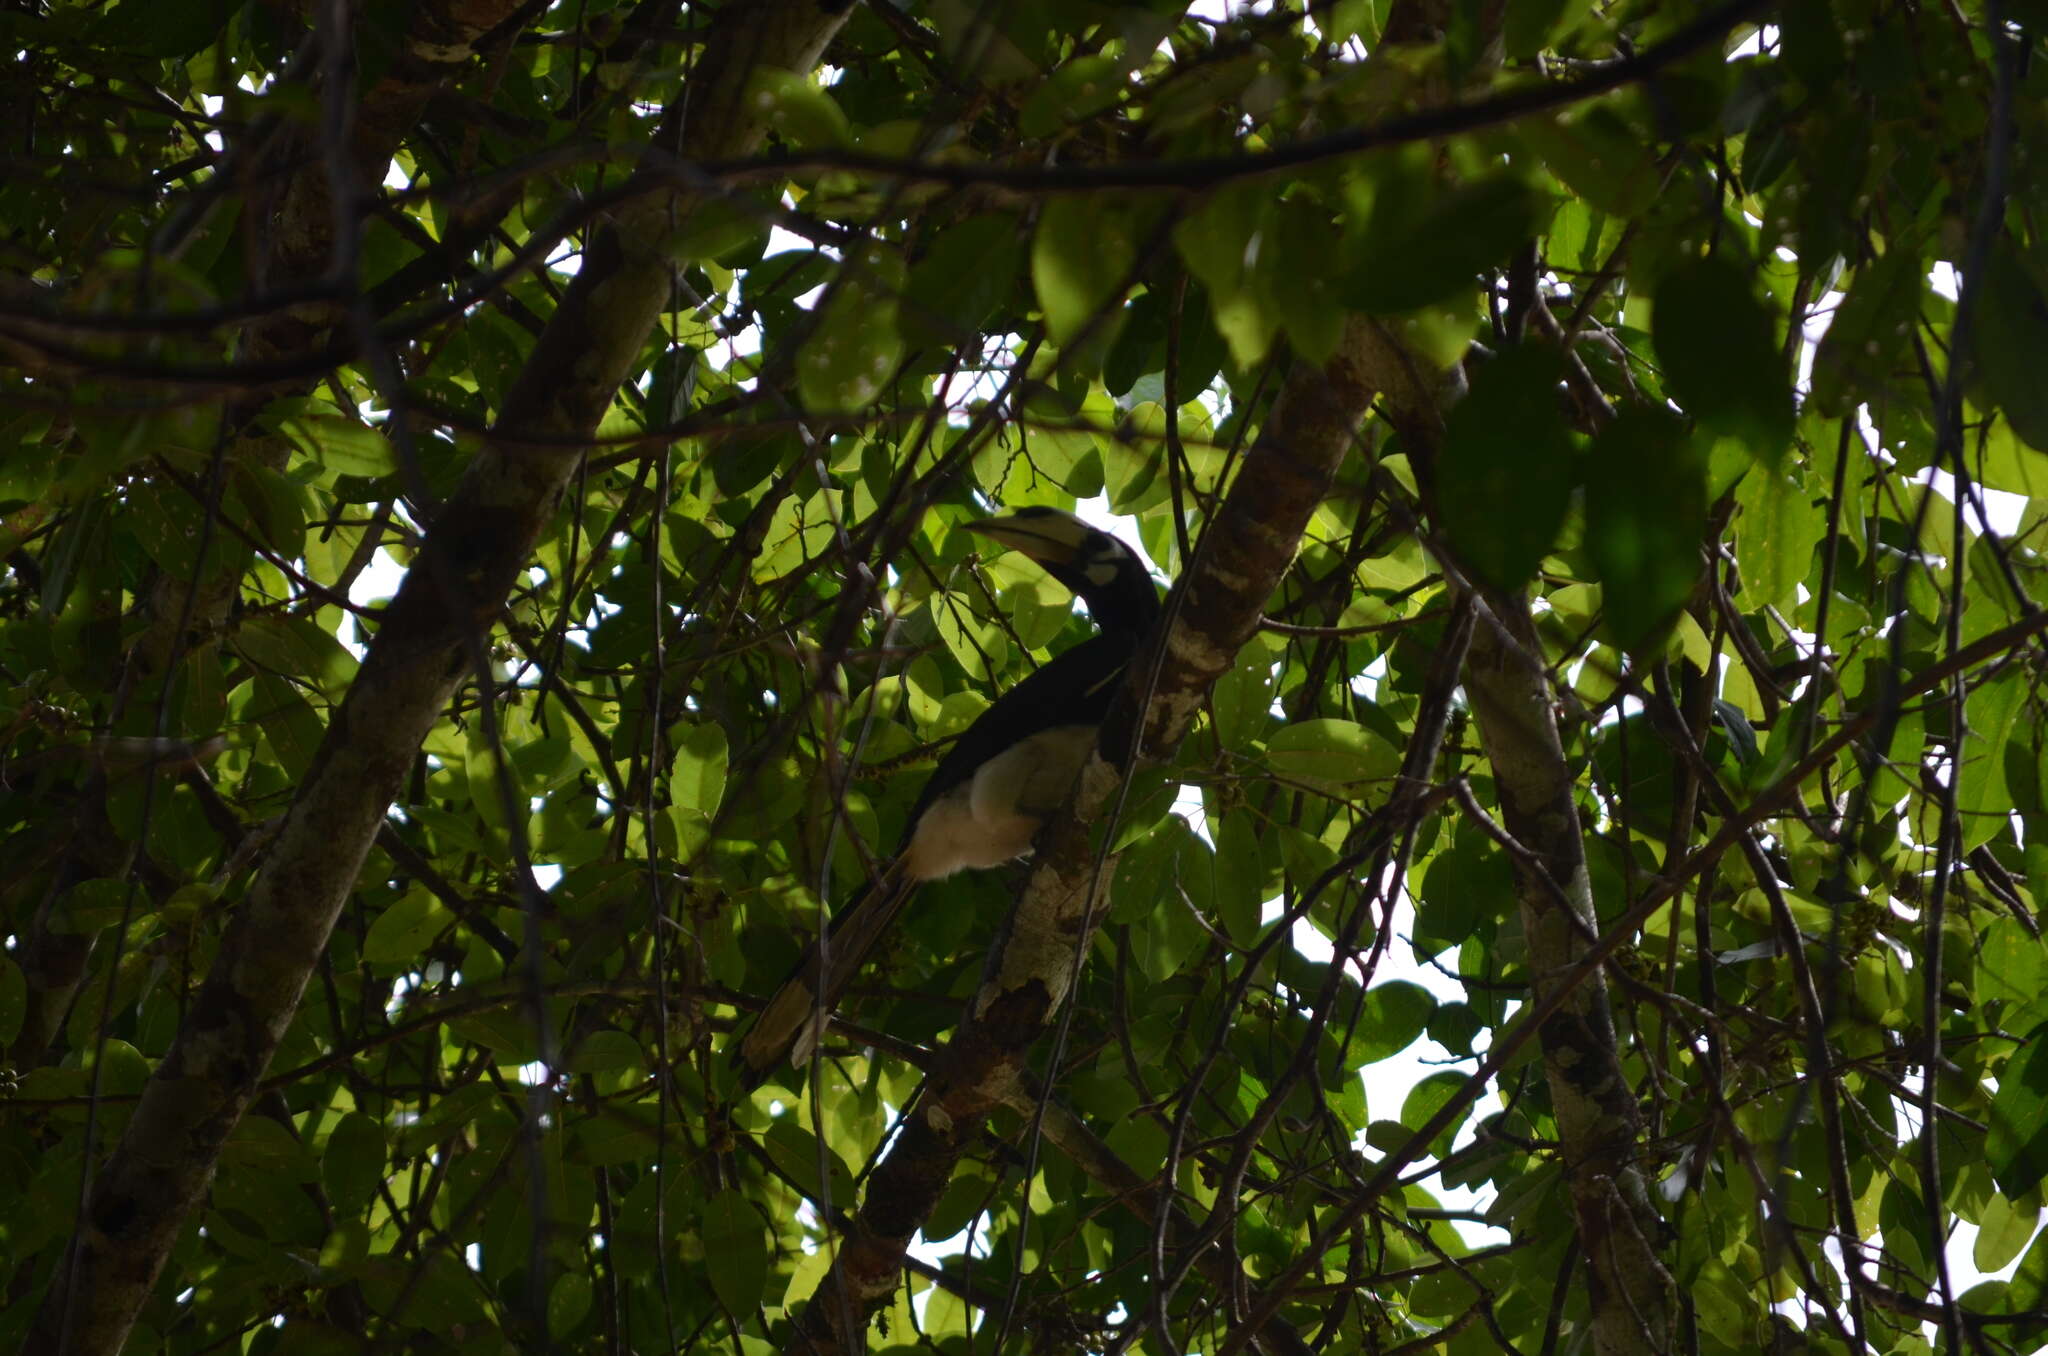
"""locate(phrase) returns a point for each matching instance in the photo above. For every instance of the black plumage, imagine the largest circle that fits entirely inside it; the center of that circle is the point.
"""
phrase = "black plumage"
(995, 787)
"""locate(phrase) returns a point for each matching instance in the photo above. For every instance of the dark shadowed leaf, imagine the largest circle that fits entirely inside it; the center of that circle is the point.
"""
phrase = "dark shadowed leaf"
(1395, 1013)
(1412, 256)
(1645, 510)
(2012, 334)
(1721, 355)
(1507, 469)
(735, 1249)
(353, 1163)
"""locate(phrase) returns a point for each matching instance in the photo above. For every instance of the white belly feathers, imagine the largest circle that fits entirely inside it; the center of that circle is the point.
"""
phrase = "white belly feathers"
(993, 816)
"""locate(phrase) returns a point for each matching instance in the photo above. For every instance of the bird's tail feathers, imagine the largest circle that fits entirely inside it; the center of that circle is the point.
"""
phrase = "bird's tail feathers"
(793, 1019)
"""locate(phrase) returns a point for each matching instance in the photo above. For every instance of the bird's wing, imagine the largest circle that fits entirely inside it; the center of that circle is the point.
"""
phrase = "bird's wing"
(982, 805)
(1073, 688)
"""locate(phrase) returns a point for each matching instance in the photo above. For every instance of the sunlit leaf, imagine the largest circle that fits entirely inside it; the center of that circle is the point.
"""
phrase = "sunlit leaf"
(1337, 752)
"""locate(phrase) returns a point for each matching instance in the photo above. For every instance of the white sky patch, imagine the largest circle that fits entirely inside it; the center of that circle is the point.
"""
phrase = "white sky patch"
(211, 105)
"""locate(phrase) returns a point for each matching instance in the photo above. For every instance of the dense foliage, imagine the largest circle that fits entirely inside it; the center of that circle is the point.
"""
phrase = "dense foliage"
(1687, 363)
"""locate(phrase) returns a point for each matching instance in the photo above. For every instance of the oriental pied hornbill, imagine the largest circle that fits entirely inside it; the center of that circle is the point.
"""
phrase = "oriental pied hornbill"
(995, 787)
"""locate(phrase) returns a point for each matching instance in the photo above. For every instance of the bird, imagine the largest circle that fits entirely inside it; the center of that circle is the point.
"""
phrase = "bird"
(995, 788)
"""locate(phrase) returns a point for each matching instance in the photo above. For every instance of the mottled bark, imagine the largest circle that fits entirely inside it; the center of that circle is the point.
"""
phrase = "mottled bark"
(1598, 1128)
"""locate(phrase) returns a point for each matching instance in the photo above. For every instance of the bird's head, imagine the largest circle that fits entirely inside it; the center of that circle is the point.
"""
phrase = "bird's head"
(1100, 569)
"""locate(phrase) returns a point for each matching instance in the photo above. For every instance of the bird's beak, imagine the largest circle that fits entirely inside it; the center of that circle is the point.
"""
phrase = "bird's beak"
(1048, 539)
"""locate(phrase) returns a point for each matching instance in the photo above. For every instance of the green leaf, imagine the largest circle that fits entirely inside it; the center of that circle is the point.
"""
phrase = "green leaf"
(1718, 345)
(290, 725)
(269, 508)
(697, 777)
(2005, 1229)
(261, 1144)
(715, 227)
(1599, 157)
(967, 271)
(979, 647)
(618, 1134)
(2011, 336)
(1081, 258)
(1429, 1096)
(1247, 319)
(2012, 963)
(123, 1070)
(2016, 1147)
(353, 1163)
(327, 435)
(849, 358)
(1396, 1012)
(1305, 299)
(169, 524)
(164, 30)
(80, 537)
(568, 1303)
(1331, 752)
(1240, 877)
(1527, 26)
(2030, 1278)
(1421, 247)
(1871, 333)
(437, 1293)
(401, 934)
(13, 1000)
(790, 105)
(298, 646)
(1645, 513)
(450, 1116)
(1165, 934)
(1982, 802)
(1441, 1293)
(1078, 90)
(1243, 698)
(797, 1152)
(1775, 537)
(1463, 888)
(735, 1250)
(1215, 240)
(605, 1052)
(480, 772)
(1505, 475)
(506, 1032)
